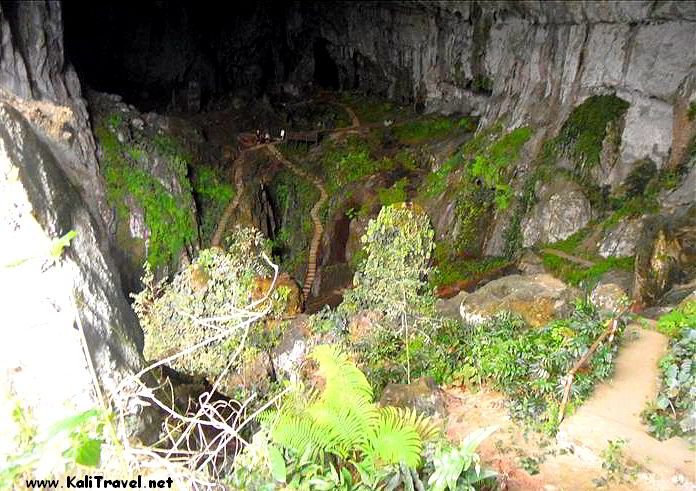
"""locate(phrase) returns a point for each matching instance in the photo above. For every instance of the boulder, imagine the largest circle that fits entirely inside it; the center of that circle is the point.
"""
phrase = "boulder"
(665, 254)
(422, 395)
(612, 291)
(561, 211)
(449, 307)
(620, 240)
(538, 299)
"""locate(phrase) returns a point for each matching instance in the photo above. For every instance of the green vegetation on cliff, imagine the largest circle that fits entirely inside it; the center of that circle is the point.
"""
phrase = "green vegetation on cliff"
(167, 213)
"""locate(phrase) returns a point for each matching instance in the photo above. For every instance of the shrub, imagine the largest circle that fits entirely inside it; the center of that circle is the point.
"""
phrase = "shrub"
(673, 413)
(212, 196)
(392, 278)
(216, 283)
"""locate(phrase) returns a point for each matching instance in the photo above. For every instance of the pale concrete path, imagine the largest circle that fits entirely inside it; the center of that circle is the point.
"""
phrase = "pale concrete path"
(614, 409)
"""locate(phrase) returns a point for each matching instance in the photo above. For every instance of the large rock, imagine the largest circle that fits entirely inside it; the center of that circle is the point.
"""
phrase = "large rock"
(422, 395)
(50, 185)
(685, 194)
(538, 299)
(561, 211)
(665, 254)
(620, 240)
(46, 293)
(612, 292)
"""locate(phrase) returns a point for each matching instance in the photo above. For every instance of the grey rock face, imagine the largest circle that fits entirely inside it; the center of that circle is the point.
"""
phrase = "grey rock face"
(50, 185)
(561, 211)
(540, 58)
(48, 295)
(620, 241)
(685, 194)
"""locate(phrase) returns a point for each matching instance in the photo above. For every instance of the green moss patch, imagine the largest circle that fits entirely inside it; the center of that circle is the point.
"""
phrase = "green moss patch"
(431, 128)
(167, 216)
(582, 134)
(212, 195)
(577, 275)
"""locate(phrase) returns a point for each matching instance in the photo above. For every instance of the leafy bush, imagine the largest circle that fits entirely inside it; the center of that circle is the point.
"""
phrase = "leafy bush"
(212, 286)
(529, 365)
(459, 467)
(672, 323)
(392, 278)
(673, 413)
(349, 162)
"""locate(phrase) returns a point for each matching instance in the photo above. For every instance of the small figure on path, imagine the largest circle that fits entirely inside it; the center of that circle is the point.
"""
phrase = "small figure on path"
(258, 135)
(282, 135)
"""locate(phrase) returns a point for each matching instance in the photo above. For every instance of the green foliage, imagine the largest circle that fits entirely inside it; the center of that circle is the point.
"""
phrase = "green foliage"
(167, 216)
(672, 323)
(483, 183)
(691, 113)
(74, 440)
(529, 365)
(395, 194)
(482, 83)
(294, 198)
(459, 468)
(392, 279)
(343, 423)
(616, 465)
(673, 413)
(577, 275)
(430, 128)
(449, 271)
(349, 162)
(212, 195)
(214, 285)
(582, 134)
(59, 245)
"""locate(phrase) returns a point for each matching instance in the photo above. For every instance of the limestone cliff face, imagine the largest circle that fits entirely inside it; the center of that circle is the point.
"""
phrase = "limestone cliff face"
(49, 186)
(530, 61)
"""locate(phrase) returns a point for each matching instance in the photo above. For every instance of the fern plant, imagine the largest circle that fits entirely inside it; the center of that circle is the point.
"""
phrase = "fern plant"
(341, 423)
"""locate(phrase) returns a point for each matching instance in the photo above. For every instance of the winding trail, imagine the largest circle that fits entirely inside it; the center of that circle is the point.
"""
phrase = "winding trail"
(314, 215)
(315, 244)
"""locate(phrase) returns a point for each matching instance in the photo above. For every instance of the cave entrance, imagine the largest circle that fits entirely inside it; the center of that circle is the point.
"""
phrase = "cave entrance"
(325, 68)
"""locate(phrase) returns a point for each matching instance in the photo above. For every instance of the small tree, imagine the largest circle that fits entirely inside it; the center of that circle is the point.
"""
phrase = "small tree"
(392, 279)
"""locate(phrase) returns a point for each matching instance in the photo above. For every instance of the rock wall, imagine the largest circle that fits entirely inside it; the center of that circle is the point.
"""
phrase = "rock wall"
(528, 61)
(49, 186)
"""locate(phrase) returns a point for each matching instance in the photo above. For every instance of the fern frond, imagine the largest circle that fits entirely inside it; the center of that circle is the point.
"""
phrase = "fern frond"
(393, 441)
(302, 435)
(351, 424)
(424, 425)
(344, 380)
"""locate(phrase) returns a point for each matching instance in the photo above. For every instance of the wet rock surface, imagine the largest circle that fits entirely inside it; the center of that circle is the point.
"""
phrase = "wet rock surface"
(538, 299)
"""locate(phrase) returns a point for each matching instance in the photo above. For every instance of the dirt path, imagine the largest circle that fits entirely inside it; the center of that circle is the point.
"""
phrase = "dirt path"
(573, 460)
(314, 214)
(613, 411)
(577, 260)
(238, 166)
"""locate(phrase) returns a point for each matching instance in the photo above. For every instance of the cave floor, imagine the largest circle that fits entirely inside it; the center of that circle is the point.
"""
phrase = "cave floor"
(573, 460)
